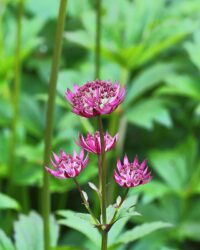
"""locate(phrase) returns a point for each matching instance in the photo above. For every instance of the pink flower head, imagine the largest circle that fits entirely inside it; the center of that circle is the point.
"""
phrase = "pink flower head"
(132, 174)
(68, 166)
(92, 143)
(95, 98)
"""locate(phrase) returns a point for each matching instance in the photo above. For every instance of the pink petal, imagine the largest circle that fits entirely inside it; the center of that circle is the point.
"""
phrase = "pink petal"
(69, 95)
(56, 158)
(119, 165)
(56, 174)
(126, 162)
(135, 162)
(85, 162)
(74, 154)
(62, 153)
(143, 164)
(53, 163)
(82, 154)
(84, 145)
(76, 87)
(97, 145)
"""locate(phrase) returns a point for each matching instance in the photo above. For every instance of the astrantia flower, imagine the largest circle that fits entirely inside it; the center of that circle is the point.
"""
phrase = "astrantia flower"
(95, 98)
(92, 143)
(132, 174)
(68, 166)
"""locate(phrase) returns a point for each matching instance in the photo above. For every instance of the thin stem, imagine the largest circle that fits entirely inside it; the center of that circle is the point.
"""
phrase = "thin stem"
(98, 39)
(103, 171)
(49, 118)
(104, 240)
(85, 202)
(17, 87)
(103, 179)
(99, 173)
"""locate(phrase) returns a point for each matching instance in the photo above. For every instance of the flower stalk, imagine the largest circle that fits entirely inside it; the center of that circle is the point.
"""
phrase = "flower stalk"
(103, 185)
(49, 119)
(85, 202)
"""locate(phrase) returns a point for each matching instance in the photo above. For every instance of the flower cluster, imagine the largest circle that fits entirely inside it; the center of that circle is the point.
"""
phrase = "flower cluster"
(95, 98)
(92, 143)
(68, 166)
(92, 99)
(132, 174)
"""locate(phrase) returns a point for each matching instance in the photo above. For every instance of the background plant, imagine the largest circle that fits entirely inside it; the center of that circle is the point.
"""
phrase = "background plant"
(152, 46)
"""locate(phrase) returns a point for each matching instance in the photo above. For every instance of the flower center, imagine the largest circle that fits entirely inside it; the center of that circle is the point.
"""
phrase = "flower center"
(94, 95)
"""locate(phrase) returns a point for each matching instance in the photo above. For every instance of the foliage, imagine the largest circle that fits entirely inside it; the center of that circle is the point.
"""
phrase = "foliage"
(152, 47)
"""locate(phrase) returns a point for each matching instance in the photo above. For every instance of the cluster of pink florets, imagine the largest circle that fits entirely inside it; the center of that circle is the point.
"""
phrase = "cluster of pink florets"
(93, 99)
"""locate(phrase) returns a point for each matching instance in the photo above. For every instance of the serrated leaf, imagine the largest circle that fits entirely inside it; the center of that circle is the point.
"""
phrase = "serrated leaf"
(175, 162)
(148, 79)
(158, 113)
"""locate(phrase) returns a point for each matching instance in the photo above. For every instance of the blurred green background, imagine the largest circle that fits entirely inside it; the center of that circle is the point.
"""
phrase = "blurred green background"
(152, 47)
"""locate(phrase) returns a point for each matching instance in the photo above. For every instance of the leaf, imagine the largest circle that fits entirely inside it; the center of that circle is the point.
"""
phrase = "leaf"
(5, 242)
(28, 232)
(153, 190)
(141, 231)
(74, 220)
(190, 230)
(7, 202)
(146, 112)
(31, 115)
(193, 49)
(38, 8)
(128, 208)
(148, 79)
(183, 85)
(176, 162)
(66, 248)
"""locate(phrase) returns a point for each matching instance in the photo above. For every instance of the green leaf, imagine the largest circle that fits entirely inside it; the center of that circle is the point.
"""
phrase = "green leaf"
(5, 242)
(190, 230)
(7, 202)
(38, 8)
(66, 248)
(141, 231)
(148, 79)
(146, 112)
(176, 162)
(127, 208)
(193, 49)
(116, 230)
(153, 190)
(73, 220)
(183, 85)
(29, 232)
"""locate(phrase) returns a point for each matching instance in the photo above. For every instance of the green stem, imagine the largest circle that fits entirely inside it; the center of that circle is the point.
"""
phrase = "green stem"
(98, 39)
(17, 87)
(49, 119)
(103, 186)
(103, 171)
(104, 240)
(85, 202)
(99, 173)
